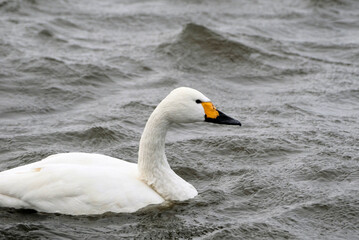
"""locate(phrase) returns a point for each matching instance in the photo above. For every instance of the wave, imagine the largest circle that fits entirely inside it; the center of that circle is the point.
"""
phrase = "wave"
(32, 6)
(199, 49)
(241, 146)
(49, 69)
(48, 84)
(93, 136)
(198, 46)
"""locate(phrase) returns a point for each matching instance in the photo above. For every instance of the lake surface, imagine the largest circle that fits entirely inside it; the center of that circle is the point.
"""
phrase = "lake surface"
(86, 75)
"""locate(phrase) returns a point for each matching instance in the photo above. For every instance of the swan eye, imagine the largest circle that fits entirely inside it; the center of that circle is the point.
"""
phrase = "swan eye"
(198, 101)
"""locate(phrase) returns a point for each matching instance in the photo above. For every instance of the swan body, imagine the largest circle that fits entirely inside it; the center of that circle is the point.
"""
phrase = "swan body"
(77, 183)
(88, 183)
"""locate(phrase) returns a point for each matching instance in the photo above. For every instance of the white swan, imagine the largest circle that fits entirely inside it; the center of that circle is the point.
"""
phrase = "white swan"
(85, 183)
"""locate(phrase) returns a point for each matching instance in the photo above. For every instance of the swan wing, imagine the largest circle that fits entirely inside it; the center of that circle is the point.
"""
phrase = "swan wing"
(76, 183)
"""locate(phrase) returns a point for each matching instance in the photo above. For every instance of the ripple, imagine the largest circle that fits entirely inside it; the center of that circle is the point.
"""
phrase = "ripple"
(337, 213)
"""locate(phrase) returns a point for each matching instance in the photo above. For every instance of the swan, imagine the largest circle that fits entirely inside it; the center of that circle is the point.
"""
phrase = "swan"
(88, 183)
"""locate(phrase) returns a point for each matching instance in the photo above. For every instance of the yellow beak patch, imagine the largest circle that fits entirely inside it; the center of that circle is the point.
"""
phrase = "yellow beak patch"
(210, 110)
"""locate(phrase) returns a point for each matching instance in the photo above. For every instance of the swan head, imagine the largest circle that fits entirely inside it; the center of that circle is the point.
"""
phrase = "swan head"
(186, 105)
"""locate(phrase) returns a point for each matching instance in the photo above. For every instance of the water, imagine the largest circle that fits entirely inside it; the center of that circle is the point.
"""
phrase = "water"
(85, 76)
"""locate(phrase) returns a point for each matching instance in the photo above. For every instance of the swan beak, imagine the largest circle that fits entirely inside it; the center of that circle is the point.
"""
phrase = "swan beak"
(214, 116)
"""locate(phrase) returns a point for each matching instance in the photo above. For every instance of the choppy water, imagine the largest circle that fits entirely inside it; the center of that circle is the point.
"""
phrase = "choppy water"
(85, 76)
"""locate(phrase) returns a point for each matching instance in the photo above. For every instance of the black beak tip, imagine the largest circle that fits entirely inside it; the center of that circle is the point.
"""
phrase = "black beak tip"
(234, 122)
(223, 119)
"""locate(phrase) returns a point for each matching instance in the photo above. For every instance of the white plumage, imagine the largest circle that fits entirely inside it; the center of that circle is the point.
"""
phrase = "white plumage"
(76, 183)
(85, 183)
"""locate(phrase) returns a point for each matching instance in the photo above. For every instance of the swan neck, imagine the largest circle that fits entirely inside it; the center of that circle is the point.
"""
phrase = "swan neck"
(152, 162)
(152, 145)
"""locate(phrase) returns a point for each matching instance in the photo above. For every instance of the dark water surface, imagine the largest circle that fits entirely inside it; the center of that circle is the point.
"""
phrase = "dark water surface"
(86, 75)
